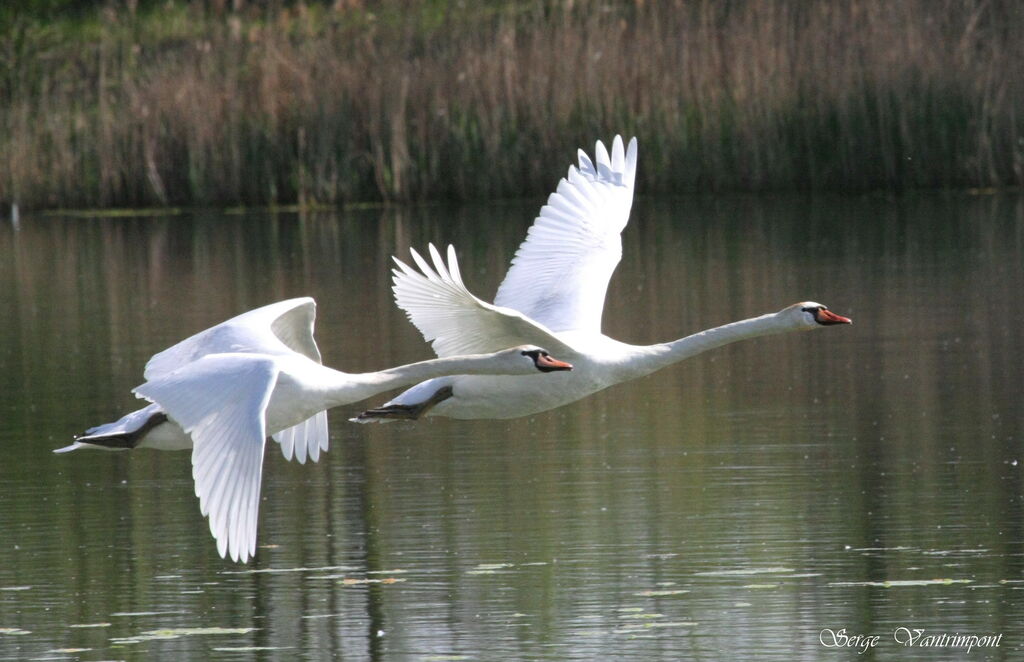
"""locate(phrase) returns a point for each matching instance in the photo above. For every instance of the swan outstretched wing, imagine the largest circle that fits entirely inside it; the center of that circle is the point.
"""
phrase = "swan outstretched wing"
(456, 322)
(294, 326)
(272, 329)
(560, 274)
(221, 401)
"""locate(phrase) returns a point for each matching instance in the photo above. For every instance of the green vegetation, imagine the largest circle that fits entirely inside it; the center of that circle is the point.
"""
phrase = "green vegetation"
(167, 103)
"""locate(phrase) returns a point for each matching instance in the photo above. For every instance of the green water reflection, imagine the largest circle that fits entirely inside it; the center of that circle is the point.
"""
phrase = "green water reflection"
(865, 478)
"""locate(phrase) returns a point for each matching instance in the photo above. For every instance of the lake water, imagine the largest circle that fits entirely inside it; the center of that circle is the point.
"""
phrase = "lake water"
(759, 501)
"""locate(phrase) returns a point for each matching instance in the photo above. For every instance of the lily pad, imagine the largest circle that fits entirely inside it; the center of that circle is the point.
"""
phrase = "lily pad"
(263, 571)
(352, 581)
(631, 629)
(175, 633)
(489, 568)
(897, 583)
(671, 624)
(745, 571)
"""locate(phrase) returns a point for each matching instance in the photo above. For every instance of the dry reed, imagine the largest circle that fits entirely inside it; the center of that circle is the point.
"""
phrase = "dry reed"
(327, 105)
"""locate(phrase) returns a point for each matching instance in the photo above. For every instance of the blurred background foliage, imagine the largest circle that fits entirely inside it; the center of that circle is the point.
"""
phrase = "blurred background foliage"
(236, 102)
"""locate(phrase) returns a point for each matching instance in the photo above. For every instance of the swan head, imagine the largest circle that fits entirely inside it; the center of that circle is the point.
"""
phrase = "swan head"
(811, 315)
(537, 358)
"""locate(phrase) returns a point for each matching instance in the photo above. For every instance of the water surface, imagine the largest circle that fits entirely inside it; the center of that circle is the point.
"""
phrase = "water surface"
(734, 506)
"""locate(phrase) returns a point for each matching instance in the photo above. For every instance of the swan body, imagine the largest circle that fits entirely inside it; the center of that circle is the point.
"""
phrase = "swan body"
(223, 391)
(281, 329)
(553, 296)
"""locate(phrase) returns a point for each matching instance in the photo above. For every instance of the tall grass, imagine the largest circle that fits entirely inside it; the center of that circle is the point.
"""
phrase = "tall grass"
(431, 99)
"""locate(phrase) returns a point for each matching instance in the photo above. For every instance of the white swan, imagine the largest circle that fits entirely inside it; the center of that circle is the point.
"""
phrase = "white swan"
(222, 391)
(553, 296)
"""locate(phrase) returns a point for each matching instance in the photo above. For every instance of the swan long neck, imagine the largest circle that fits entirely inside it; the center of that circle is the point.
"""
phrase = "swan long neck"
(474, 364)
(652, 358)
(351, 387)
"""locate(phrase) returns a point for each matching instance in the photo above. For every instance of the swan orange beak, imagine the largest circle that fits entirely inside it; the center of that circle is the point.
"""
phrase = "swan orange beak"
(828, 318)
(546, 363)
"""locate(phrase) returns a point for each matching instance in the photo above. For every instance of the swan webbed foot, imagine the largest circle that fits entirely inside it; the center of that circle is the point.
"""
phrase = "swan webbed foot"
(407, 412)
(126, 440)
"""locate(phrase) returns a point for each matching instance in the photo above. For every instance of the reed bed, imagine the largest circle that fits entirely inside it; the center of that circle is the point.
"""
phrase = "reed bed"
(328, 104)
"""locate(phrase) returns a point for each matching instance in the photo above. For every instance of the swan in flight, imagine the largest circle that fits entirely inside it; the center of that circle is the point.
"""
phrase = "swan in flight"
(552, 296)
(222, 391)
